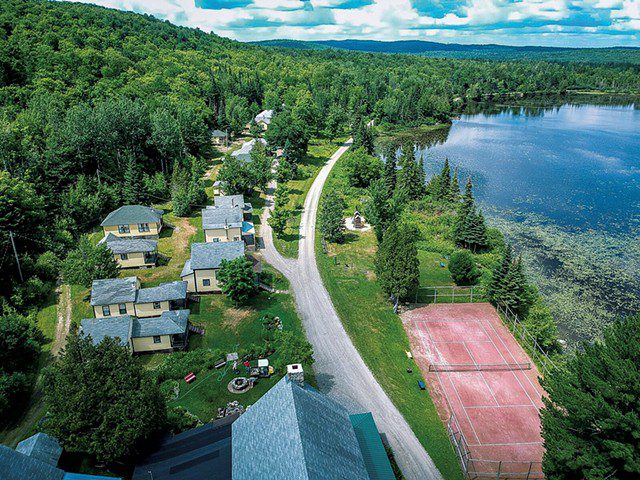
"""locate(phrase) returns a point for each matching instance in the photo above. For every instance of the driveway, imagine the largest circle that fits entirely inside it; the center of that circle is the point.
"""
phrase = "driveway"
(340, 371)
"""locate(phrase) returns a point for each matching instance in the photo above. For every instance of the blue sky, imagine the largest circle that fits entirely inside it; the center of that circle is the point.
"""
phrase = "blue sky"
(572, 23)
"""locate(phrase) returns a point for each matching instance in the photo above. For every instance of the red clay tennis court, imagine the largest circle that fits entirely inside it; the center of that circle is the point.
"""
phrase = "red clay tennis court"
(485, 386)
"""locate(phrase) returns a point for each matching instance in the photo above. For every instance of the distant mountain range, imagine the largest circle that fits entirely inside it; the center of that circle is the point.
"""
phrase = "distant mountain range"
(618, 55)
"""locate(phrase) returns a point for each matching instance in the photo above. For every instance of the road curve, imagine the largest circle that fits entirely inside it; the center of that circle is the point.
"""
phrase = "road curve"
(340, 371)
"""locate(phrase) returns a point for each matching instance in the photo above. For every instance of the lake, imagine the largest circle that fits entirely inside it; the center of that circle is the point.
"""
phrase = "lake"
(563, 184)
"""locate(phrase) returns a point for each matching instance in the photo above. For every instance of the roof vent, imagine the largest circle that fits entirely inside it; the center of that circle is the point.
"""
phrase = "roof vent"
(295, 374)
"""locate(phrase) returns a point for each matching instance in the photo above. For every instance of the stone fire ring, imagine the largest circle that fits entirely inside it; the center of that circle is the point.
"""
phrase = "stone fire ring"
(239, 385)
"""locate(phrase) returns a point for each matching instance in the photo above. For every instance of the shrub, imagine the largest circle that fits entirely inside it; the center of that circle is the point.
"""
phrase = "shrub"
(463, 268)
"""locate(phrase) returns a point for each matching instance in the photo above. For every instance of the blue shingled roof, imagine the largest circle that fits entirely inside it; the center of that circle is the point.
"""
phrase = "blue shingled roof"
(18, 466)
(173, 322)
(129, 245)
(41, 446)
(165, 292)
(210, 255)
(296, 433)
(110, 291)
(132, 214)
(114, 327)
(221, 217)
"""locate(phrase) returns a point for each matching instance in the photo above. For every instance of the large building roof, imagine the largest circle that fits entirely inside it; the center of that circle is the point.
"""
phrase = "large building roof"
(42, 447)
(129, 245)
(109, 291)
(222, 217)
(208, 256)
(132, 214)
(100, 328)
(264, 116)
(173, 322)
(244, 152)
(296, 433)
(201, 453)
(165, 292)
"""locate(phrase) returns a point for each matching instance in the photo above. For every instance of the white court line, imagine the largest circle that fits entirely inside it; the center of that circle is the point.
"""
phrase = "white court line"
(481, 376)
(446, 396)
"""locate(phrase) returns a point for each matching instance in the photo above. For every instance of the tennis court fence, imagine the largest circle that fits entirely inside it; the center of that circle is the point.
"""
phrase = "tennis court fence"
(477, 469)
(449, 294)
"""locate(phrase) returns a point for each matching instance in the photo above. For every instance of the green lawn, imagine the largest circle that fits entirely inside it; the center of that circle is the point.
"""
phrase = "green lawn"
(348, 274)
(320, 150)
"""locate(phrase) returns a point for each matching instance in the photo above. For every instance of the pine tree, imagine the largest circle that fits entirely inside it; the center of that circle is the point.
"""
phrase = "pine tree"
(470, 230)
(390, 174)
(454, 191)
(132, 182)
(363, 137)
(494, 289)
(411, 178)
(445, 182)
(590, 421)
(397, 266)
(330, 217)
(380, 210)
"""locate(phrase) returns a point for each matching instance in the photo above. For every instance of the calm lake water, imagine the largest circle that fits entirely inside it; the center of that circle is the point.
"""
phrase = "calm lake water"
(563, 183)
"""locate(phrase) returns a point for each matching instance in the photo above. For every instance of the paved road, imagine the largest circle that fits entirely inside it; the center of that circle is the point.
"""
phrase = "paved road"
(340, 371)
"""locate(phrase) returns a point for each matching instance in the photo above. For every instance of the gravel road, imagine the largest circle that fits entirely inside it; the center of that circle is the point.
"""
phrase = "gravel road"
(340, 371)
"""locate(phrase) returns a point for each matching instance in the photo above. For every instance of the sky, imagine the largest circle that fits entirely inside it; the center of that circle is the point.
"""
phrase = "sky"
(566, 23)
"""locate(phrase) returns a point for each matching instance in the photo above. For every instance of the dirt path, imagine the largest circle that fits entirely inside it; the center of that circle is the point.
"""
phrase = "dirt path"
(340, 371)
(64, 319)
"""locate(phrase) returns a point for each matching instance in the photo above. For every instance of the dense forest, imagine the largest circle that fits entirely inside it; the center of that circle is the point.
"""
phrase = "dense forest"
(616, 55)
(100, 107)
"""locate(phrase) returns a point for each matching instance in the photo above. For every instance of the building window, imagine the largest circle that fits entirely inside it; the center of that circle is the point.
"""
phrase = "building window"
(123, 309)
(206, 282)
(216, 240)
(143, 227)
(156, 305)
(124, 256)
(157, 339)
(235, 239)
(123, 229)
(106, 311)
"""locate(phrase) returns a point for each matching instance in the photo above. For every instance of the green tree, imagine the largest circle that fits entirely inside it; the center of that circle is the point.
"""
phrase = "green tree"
(508, 285)
(235, 175)
(20, 343)
(463, 268)
(131, 186)
(167, 138)
(237, 113)
(260, 167)
(444, 193)
(411, 177)
(454, 194)
(100, 401)
(498, 275)
(330, 217)
(362, 168)
(237, 280)
(363, 137)
(590, 421)
(380, 210)
(89, 262)
(278, 219)
(542, 327)
(390, 170)
(470, 230)
(292, 348)
(396, 263)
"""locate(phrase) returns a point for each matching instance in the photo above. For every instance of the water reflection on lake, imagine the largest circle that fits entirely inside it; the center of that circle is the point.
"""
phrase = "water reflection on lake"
(564, 185)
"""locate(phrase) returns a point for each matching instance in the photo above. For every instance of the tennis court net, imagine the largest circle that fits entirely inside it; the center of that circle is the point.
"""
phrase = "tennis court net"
(473, 367)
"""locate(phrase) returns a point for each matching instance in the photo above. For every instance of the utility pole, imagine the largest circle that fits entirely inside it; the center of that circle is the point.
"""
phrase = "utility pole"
(15, 252)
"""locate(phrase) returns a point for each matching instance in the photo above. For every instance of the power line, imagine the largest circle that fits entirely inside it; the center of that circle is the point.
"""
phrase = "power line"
(15, 252)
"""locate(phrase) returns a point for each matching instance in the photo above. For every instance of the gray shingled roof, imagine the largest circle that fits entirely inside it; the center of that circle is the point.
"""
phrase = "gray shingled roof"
(264, 116)
(18, 466)
(221, 217)
(99, 328)
(244, 152)
(42, 447)
(129, 245)
(164, 292)
(110, 291)
(305, 435)
(210, 255)
(186, 270)
(169, 323)
(218, 134)
(131, 214)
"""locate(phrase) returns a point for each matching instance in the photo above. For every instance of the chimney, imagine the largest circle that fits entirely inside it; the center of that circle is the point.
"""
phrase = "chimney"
(295, 374)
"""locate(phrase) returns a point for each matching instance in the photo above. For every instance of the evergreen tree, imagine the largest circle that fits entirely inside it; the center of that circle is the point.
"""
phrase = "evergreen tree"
(470, 230)
(494, 289)
(380, 210)
(132, 183)
(454, 193)
(444, 193)
(411, 178)
(100, 401)
(396, 264)
(330, 217)
(89, 262)
(508, 285)
(363, 137)
(590, 419)
(463, 268)
(390, 170)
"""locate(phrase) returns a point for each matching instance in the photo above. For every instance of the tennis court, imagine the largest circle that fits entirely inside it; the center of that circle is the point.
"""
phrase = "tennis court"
(485, 386)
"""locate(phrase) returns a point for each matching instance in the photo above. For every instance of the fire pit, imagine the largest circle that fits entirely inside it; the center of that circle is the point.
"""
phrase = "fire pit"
(239, 385)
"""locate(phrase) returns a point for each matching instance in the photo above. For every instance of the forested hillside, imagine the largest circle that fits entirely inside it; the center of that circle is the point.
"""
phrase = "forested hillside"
(100, 107)
(613, 56)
